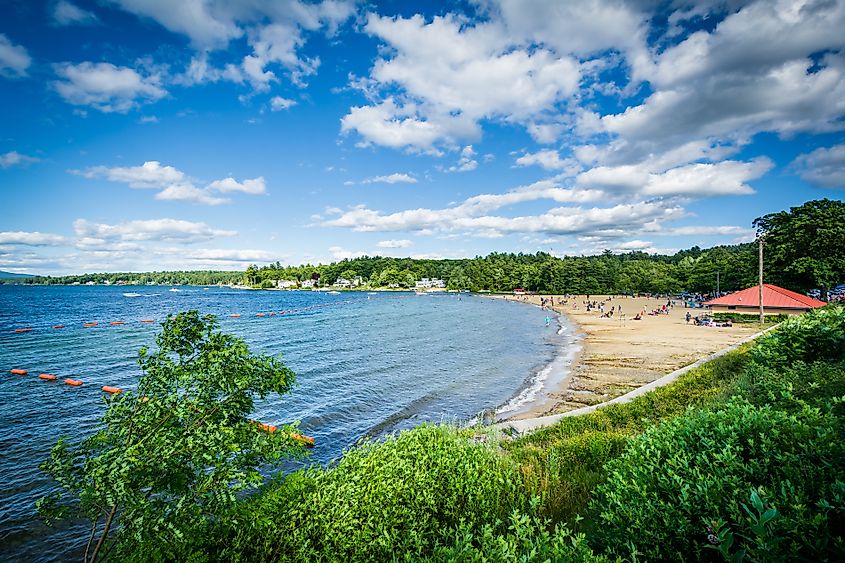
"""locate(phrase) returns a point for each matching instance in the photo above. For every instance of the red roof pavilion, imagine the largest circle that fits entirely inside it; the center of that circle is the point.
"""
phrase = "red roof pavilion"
(773, 296)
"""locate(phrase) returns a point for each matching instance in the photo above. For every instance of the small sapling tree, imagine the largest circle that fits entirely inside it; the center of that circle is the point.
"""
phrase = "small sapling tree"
(169, 459)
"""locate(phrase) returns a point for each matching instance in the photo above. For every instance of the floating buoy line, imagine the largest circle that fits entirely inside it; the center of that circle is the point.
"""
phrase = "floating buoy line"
(307, 441)
(265, 314)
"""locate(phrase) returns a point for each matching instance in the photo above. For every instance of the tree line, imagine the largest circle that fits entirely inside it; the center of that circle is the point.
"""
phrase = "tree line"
(691, 270)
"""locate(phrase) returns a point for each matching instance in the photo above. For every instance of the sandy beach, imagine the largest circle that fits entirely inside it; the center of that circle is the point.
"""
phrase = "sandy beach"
(619, 354)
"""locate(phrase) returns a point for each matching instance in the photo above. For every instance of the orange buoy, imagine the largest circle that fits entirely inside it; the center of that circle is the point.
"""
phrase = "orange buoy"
(47, 377)
(89, 324)
(307, 440)
(117, 323)
(256, 314)
(59, 326)
(73, 382)
(235, 315)
(23, 330)
(18, 371)
(147, 321)
(113, 390)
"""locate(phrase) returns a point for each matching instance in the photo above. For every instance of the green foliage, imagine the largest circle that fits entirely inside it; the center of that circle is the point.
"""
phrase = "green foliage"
(690, 476)
(181, 277)
(743, 318)
(170, 458)
(818, 335)
(527, 539)
(805, 245)
(395, 499)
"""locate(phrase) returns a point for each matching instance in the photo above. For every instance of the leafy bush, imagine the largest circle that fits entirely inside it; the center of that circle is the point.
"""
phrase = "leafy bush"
(745, 318)
(692, 476)
(400, 497)
(817, 335)
(527, 539)
(791, 387)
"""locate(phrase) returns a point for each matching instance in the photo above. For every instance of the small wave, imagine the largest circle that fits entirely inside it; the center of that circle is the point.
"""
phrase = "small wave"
(545, 380)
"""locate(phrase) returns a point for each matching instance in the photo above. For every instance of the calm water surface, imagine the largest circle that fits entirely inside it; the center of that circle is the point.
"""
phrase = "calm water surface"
(365, 365)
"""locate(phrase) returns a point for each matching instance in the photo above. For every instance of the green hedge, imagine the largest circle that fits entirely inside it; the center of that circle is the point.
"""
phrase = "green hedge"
(706, 473)
(744, 318)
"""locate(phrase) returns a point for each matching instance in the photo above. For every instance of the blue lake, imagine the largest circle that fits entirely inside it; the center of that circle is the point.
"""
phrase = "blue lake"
(365, 365)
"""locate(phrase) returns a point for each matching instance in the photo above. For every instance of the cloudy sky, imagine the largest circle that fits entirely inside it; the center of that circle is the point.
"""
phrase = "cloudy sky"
(152, 134)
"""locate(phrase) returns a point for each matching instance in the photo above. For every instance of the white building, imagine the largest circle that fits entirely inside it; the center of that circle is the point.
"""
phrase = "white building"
(286, 284)
(343, 282)
(309, 283)
(426, 283)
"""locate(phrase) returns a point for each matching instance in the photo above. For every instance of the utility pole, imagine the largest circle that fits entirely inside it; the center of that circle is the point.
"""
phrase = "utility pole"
(717, 285)
(760, 283)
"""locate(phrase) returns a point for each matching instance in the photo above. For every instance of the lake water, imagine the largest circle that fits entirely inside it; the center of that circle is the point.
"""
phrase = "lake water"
(365, 365)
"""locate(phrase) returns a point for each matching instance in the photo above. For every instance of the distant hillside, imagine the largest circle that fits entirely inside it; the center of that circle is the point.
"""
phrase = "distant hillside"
(10, 275)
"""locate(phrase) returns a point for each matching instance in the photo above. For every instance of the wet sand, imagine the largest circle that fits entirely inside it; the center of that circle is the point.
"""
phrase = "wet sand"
(620, 354)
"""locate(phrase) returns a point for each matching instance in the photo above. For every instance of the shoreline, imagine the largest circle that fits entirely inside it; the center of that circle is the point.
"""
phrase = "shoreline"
(619, 355)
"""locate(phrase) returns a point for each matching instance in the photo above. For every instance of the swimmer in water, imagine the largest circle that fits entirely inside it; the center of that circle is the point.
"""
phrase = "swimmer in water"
(548, 321)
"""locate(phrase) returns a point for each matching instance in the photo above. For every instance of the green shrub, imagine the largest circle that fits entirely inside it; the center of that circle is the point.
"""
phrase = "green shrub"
(818, 335)
(745, 318)
(791, 387)
(697, 471)
(527, 539)
(383, 500)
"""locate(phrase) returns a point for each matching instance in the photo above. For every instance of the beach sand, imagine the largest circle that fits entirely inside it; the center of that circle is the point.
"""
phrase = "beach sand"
(618, 355)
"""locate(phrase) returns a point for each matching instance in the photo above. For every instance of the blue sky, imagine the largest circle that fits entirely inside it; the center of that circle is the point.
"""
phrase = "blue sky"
(151, 134)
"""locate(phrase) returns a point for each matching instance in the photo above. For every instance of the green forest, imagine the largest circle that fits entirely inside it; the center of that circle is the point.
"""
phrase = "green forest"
(691, 270)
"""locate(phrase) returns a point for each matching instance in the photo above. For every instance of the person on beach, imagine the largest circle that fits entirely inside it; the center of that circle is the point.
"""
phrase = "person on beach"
(548, 321)
(689, 316)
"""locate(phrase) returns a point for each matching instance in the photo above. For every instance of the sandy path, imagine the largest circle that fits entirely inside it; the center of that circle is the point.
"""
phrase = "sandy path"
(620, 354)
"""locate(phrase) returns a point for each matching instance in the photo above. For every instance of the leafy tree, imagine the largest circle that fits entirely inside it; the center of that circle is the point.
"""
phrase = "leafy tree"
(251, 274)
(169, 459)
(805, 245)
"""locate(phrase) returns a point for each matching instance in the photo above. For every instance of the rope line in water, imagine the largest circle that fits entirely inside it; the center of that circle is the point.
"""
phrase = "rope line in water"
(95, 324)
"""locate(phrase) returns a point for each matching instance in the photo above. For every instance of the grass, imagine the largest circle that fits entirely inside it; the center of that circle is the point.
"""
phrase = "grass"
(563, 464)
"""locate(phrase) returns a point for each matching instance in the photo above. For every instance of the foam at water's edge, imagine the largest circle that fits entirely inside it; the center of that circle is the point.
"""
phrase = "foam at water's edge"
(538, 386)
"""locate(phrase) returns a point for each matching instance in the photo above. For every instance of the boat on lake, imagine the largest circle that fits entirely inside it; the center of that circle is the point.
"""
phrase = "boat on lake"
(132, 295)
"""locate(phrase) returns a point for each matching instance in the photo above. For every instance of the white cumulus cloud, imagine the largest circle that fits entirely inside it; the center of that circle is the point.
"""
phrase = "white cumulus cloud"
(402, 243)
(106, 87)
(14, 158)
(228, 185)
(172, 183)
(278, 103)
(395, 178)
(823, 167)
(31, 238)
(14, 59)
(67, 13)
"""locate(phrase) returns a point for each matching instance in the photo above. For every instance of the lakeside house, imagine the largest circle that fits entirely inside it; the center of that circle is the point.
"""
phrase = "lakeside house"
(286, 284)
(776, 301)
(309, 284)
(343, 282)
(426, 283)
